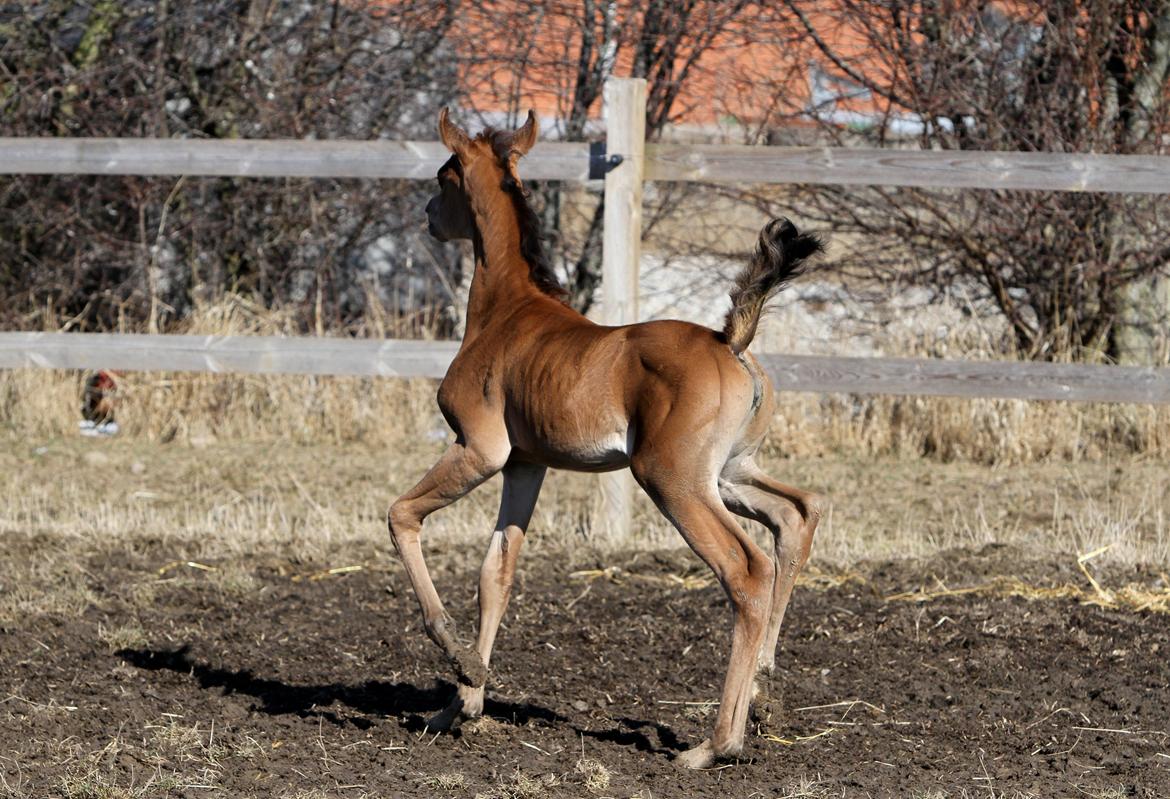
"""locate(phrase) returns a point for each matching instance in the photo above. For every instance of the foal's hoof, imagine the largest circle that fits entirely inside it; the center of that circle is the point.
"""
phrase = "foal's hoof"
(702, 756)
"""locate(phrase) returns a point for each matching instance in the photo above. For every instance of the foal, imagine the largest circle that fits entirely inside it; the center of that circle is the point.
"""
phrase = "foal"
(535, 384)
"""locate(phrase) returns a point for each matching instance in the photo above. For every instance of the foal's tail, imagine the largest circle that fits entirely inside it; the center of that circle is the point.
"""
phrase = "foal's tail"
(780, 256)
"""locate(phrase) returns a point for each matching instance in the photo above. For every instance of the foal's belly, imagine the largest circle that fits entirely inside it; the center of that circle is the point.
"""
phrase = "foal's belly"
(577, 447)
(600, 459)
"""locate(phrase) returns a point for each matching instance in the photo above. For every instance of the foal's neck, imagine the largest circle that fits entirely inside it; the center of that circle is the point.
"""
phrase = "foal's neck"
(501, 277)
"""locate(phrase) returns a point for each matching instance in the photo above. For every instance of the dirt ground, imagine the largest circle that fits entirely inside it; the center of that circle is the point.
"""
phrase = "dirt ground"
(315, 684)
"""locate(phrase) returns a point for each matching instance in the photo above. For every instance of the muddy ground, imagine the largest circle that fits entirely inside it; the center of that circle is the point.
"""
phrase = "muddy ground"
(315, 685)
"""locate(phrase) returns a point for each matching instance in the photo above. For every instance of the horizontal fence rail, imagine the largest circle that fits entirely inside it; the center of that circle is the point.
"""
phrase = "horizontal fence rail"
(260, 158)
(557, 160)
(1023, 380)
(400, 358)
(947, 169)
(246, 354)
(1142, 174)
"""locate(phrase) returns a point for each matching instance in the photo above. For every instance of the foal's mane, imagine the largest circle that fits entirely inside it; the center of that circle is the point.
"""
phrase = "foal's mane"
(531, 239)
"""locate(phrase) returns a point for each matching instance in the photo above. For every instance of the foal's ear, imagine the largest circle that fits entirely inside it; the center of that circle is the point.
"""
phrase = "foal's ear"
(525, 137)
(453, 137)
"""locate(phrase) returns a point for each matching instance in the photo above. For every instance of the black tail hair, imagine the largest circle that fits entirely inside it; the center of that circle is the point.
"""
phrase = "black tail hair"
(781, 255)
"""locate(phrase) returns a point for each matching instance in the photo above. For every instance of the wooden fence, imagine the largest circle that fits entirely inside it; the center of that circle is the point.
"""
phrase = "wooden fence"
(640, 161)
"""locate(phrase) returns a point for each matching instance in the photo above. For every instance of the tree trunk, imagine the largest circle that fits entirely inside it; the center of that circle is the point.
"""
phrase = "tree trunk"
(1141, 331)
(1143, 305)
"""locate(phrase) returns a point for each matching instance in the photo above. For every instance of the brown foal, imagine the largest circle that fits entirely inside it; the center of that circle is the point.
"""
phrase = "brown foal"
(535, 384)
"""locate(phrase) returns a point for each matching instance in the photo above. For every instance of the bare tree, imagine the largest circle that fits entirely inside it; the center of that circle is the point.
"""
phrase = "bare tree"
(106, 251)
(1071, 273)
(565, 52)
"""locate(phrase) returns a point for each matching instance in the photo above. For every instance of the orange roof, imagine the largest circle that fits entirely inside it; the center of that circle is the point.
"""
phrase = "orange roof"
(760, 68)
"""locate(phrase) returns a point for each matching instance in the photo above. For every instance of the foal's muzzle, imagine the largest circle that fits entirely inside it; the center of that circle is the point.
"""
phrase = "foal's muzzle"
(431, 210)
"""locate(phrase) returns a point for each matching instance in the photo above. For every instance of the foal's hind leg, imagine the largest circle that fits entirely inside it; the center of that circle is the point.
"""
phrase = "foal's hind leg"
(521, 487)
(792, 516)
(747, 575)
(460, 469)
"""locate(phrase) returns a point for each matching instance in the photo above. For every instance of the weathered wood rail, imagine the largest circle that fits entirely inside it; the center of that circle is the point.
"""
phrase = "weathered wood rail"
(263, 158)
(225, 354)
(714, 163)
(949, 169)
(408, 358)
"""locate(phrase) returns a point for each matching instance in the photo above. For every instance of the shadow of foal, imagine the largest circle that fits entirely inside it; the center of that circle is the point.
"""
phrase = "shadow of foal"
(277, 698)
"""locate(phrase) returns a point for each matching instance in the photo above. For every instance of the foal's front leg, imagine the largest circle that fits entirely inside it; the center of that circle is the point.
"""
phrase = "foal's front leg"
(521, 488)
(461, 468)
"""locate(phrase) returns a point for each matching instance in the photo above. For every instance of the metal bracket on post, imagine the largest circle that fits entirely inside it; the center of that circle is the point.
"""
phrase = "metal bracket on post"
(599, 164)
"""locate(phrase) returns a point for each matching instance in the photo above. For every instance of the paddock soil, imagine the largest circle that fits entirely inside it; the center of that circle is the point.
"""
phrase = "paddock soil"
(315, 684)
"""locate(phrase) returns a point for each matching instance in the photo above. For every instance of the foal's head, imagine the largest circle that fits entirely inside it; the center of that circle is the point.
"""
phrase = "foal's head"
(480, 178)
(485, 163)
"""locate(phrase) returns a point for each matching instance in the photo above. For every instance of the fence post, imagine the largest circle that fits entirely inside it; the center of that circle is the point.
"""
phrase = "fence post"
(625, 102)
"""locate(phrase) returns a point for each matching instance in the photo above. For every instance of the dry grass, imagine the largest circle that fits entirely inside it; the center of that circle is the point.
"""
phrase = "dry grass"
(172, 757)
(199, 409)
(123, 636)
(1132, 596)
(990, 792)
(91, 774)
(594, 775)
(451, 783)
(180, 742)
(520, 785)
(806, 788)
(213, 516)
